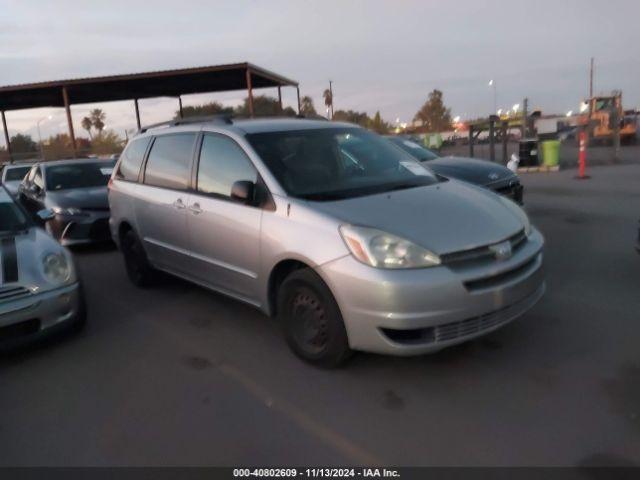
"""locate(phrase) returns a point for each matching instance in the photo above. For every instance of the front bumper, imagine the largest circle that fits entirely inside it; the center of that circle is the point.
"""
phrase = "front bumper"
(410, 312)
(33, 316)
(78, 230)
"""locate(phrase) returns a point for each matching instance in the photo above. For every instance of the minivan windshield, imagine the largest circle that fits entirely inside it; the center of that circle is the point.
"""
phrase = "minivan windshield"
(337, 163)
(79, 175)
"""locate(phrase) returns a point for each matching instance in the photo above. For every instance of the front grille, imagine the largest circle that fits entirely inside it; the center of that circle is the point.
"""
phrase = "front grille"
(501, 278)
(13, 293)
(471, 326)
(483, 253)
(455, 330)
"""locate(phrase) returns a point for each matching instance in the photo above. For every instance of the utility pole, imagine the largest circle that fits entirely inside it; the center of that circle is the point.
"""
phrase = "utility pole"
(525, 118)
(591, 80)
(331, 93)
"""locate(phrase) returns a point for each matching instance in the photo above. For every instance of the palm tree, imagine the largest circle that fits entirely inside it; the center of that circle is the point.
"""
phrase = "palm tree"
(97, 117)
(87, 124)
(328, 99)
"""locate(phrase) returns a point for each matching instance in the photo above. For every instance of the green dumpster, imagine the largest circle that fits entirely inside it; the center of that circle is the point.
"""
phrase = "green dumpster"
(551, 153)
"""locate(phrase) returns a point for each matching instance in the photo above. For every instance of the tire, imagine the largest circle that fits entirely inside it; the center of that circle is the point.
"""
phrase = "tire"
(311, 319)
(139, 270)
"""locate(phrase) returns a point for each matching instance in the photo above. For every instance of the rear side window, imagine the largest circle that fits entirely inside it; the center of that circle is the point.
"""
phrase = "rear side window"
(132, 157)
(17, 173)
(222, 162)
(169, 162)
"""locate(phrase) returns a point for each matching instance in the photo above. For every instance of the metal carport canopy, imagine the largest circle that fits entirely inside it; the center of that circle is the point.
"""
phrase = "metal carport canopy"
(165, 83)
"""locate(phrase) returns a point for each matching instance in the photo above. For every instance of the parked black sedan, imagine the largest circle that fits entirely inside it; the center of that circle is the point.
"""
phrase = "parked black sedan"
(480, 172)
(76, 192)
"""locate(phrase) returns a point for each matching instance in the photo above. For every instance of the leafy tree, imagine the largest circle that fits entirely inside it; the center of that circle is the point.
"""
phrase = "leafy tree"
(211, 108)
(58, 146)
(97, 117)
(378, 125)
(23, 144)
(351, 116)
(264, 106)
(433, 114)
(107, 142)
(307, 107)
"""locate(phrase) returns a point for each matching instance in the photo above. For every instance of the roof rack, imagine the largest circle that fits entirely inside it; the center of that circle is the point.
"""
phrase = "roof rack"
(224, 118)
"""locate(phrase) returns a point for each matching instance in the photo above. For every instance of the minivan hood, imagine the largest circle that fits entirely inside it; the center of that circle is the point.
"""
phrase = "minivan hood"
(84, 198)
(480, 172)
(445, 217)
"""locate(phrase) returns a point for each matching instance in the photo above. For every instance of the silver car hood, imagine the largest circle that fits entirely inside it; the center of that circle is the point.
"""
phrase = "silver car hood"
(446, 217)
(30, 246)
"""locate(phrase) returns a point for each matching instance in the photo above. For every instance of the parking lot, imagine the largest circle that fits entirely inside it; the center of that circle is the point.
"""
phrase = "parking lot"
(177, 375)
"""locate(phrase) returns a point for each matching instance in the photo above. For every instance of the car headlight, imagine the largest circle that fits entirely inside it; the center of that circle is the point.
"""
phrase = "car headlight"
(71, 211)
(384, 250)
(519, 212)
(56, 268)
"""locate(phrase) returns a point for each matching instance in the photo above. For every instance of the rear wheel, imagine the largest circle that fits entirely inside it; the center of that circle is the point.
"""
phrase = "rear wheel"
(311, 319)
(139, 270)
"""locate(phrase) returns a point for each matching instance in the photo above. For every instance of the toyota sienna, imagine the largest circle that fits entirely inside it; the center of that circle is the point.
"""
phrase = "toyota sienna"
(346, 238)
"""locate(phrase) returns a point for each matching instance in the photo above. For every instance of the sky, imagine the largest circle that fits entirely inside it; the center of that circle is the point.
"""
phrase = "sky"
(380, 55)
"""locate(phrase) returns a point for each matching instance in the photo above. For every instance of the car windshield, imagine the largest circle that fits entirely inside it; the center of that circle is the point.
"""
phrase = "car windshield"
(414, 149)
(16, 173)
(78, 175)
(337, 163)
(12, 218)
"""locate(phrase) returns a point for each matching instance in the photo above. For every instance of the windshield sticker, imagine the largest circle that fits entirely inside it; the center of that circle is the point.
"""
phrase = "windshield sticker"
(415, 168)
(106, 170)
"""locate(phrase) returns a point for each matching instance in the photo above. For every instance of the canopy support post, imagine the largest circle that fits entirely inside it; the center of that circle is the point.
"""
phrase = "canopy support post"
(250, 92)
(7, 141)
(135, 103)
(67, 108)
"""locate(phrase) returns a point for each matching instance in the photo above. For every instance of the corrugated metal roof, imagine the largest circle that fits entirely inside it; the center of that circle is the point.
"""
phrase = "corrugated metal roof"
(159, 83)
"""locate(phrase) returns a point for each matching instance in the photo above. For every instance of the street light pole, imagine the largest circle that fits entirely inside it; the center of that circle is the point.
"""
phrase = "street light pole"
(495, 95)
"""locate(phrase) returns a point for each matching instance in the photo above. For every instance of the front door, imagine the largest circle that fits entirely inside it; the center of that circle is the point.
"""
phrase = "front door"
(225, 234)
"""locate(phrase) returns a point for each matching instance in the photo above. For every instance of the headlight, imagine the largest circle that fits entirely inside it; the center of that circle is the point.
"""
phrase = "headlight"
(519, 212)
(56, 268)
(384, 250)
(72, 212)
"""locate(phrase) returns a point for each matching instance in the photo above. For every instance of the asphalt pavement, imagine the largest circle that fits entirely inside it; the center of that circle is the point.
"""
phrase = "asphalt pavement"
(177, 375)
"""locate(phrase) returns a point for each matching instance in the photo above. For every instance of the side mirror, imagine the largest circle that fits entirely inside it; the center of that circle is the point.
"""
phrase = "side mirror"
(243, 191)
(33, 189)
(45, 215)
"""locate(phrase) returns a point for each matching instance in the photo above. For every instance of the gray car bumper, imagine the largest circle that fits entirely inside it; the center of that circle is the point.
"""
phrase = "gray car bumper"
(36, 315)
(410, 312)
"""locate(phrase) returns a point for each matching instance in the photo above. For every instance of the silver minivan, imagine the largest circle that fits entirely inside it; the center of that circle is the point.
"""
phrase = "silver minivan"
(348, 240)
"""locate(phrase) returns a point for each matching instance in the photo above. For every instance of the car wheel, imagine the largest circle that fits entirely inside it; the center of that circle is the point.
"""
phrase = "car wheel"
(139, 270)
(311, 319)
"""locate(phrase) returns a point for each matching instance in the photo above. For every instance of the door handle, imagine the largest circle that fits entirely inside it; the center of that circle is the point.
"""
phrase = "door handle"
(179, 204)
(195, 208)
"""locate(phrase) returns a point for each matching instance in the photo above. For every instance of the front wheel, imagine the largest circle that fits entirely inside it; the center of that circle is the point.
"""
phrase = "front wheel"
(311, 319)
